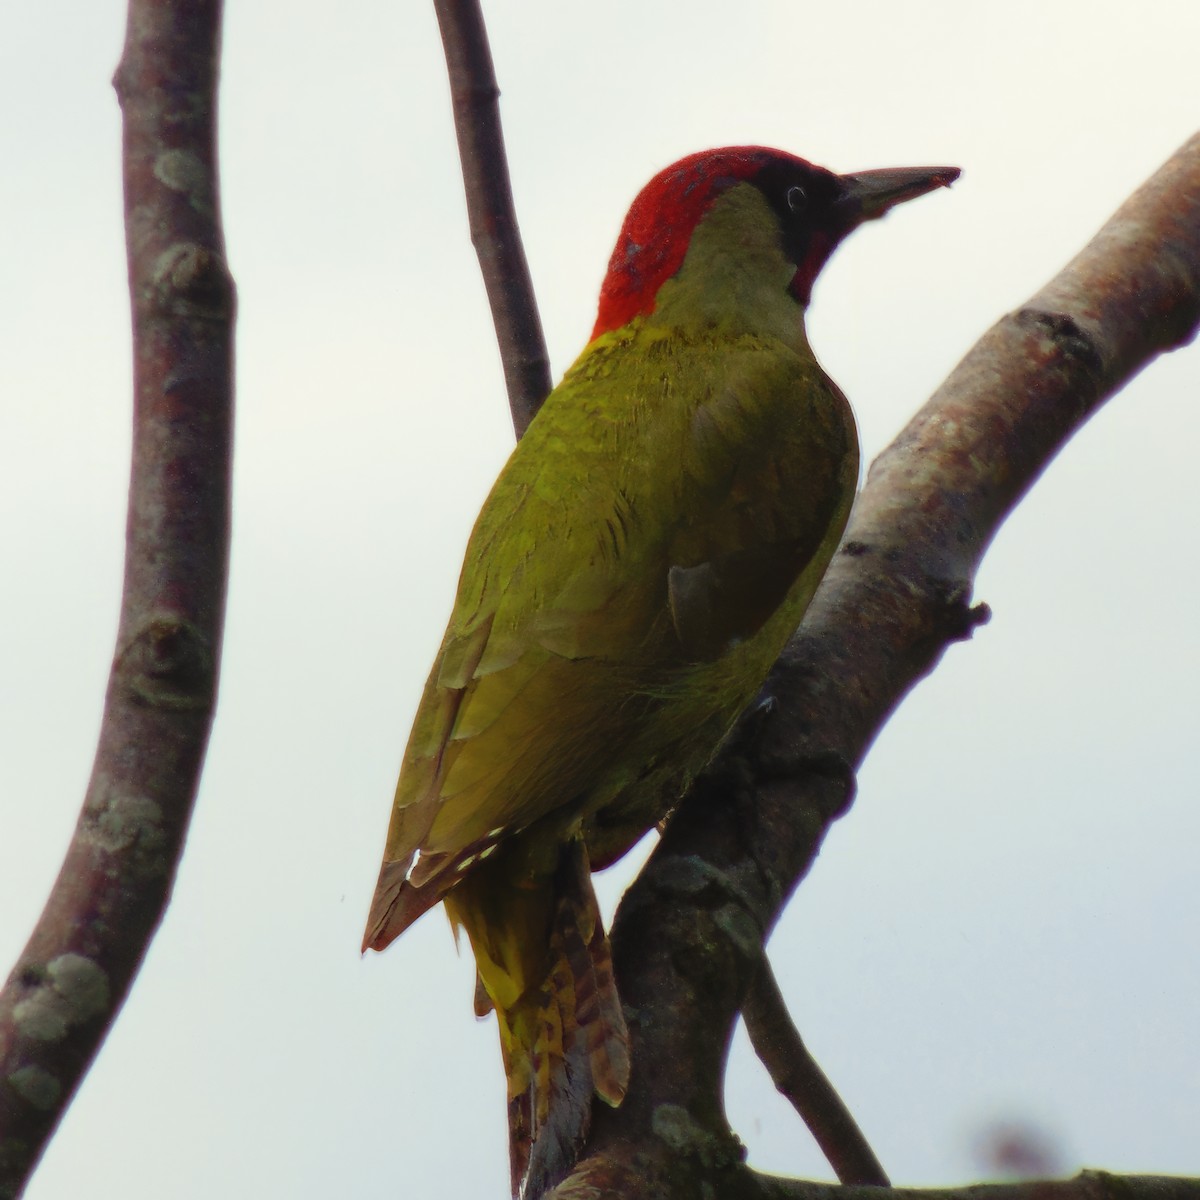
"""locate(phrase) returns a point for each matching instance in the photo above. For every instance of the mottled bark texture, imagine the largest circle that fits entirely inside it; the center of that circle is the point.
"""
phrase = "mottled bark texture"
(689, 935)
(74, 974)
(475, 98)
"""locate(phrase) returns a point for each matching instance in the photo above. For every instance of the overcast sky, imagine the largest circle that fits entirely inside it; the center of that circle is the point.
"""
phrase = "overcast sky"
(1004, 927)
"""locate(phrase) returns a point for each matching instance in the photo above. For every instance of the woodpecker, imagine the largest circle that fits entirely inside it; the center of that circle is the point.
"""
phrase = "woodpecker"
(644, 555)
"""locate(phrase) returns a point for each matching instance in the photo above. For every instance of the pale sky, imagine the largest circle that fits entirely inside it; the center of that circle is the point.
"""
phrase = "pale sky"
(1005, 924)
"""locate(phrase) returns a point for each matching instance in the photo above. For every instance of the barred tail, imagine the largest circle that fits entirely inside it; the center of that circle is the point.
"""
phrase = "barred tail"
(563, 1040)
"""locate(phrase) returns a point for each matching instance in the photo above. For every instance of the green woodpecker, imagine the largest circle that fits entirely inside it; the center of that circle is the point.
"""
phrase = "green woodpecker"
(645, 553)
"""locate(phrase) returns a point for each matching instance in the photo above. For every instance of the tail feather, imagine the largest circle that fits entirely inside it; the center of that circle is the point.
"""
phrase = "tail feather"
(557, 1103)
(608, 1037)
(564, 1041)
(543, 963)
(598, 1013)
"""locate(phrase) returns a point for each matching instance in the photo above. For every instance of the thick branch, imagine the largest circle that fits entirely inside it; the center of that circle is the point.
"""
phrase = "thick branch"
(493, 219)
(73, 975)
(689, 934)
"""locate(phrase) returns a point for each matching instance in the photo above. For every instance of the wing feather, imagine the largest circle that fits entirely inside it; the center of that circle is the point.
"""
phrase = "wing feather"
(629, 537)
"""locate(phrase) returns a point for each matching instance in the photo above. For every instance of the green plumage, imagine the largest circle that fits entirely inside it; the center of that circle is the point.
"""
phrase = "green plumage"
(564, 669)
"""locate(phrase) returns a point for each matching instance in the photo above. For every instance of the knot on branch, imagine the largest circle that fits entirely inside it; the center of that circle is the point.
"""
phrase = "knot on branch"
(773, 744)
(684, 1135)
(821, 766)
(959, 618)
(1067, 338)
(190, 280)
(169, 665)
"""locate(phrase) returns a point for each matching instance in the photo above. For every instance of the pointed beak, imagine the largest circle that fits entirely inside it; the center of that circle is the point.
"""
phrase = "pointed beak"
(869, 194)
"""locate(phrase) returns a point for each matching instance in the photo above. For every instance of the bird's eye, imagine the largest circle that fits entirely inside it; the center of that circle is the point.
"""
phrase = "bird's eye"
(797, 198)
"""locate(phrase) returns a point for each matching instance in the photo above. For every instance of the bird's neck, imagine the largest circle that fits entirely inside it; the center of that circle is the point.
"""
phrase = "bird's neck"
(734, 279)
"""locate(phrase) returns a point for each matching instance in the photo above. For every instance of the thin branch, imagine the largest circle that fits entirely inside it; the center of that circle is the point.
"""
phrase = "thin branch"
(799, 1078)
(1087, 1185)
(493, 219)
(689, 933)
(72, 977)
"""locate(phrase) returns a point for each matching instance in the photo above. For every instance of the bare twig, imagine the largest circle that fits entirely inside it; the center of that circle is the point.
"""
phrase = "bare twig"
(689, 933)
(75, 972)
(490, 210)
(799, 1078)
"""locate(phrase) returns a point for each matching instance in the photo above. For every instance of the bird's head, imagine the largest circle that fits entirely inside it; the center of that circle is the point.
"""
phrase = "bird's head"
(744, 208)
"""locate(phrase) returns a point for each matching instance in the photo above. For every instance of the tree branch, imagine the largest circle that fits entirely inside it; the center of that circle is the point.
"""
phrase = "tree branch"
(641, 1177)
(493, 219)
(799, 1078)
(689, 934)
(72, 977)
